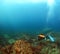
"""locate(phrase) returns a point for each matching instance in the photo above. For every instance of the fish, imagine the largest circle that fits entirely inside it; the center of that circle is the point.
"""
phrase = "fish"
(41, 37)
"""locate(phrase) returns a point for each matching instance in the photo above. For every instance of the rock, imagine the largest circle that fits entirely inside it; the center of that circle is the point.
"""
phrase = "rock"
(11, 41)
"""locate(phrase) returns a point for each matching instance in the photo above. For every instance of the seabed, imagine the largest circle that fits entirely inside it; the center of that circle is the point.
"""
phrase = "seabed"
(28, 43)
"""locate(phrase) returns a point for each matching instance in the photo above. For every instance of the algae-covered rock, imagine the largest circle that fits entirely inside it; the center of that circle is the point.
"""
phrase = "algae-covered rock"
(11, 41)
(54, 51)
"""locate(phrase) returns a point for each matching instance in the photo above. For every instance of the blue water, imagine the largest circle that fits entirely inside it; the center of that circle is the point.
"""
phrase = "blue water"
(28, 17)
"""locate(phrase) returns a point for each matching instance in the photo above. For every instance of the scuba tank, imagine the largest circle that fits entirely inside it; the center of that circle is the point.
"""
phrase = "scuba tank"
(50, 37)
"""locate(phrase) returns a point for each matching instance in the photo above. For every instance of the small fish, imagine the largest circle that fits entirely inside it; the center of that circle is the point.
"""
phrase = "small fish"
(41, 36)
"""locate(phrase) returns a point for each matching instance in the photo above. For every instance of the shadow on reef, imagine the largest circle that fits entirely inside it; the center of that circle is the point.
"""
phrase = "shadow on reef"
(29, 43)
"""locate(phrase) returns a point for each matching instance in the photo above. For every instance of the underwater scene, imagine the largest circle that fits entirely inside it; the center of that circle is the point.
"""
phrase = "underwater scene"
(29, 26)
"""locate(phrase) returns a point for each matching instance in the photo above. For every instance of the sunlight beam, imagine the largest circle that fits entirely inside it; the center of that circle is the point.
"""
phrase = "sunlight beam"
(50, 14)
(50, 2)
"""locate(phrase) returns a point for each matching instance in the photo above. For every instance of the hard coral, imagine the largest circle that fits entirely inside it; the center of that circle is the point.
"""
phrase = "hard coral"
(22, 47)
(6, 49)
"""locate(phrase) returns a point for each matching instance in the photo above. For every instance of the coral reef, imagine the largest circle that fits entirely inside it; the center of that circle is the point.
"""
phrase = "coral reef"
(6, 50)
(29, 45)
(19, 47)
(22, 47)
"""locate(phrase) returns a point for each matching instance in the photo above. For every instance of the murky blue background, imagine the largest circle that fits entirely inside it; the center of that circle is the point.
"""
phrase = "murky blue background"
(28, 17)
